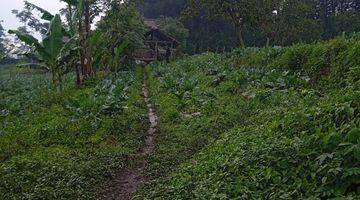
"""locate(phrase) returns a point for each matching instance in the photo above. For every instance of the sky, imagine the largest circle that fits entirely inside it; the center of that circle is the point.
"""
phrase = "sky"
(9, 21)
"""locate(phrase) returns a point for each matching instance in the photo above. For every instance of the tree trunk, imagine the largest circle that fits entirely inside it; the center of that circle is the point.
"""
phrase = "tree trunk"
(60, 86)
(240, 37)
(78, 76)
(88, 60)
(81, 50)
(85, 51)
(267, 41)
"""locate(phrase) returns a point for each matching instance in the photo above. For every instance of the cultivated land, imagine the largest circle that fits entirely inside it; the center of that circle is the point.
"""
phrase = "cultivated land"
(271, 123)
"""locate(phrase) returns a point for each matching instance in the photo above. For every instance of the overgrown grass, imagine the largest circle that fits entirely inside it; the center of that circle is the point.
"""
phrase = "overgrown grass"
(63, 145)
(259, 124)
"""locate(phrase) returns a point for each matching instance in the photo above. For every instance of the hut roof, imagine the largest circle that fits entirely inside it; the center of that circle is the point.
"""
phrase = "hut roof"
(154, 30)
(151, 24)
(162, 36)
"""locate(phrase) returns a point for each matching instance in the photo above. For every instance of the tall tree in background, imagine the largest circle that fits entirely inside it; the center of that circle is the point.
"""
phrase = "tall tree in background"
(259, 22)
(123, 31)
(296, 22)
(175, 28)
(84, 34)
(80, 15)
(88, 10)
(265, 18)
(337, 16)
(156, 8)
(2, 46)
(237, 12)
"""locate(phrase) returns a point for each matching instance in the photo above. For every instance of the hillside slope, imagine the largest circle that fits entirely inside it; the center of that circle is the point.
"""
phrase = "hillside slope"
(66, 145)
(259, 124)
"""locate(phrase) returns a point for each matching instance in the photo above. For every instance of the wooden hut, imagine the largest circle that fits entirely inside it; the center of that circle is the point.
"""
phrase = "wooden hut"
(156, 44)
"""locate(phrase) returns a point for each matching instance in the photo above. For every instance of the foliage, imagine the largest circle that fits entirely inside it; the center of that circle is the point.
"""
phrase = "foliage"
(216, 25)
(155, 8)
(65, 145)
(2, 46)
(26, 16)
(174, 28)
(272, 123)
(121, 26)
(49, 50)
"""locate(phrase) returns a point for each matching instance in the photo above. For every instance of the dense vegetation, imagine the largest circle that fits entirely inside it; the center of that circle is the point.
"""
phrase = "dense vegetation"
(278, 122)
(273, 123)
(62, 146)
(217, 25)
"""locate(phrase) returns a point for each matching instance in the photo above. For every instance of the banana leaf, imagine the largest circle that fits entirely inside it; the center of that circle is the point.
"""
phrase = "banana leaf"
(45, 14)
(53, 42)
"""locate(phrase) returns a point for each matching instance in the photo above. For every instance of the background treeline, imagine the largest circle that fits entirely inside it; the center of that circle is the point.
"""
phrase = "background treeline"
(217, 25)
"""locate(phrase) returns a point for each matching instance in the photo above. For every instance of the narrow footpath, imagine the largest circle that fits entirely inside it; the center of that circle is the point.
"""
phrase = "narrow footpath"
(125, 185)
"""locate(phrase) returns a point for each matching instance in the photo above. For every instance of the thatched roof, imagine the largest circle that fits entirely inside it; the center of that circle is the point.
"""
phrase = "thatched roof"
(161, 37)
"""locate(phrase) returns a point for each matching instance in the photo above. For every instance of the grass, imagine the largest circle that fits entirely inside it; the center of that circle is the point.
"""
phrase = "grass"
(63, 145)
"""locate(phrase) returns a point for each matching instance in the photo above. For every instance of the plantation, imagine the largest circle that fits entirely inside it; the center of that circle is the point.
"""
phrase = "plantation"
(180, 99)
(259, 124)
(64, 145)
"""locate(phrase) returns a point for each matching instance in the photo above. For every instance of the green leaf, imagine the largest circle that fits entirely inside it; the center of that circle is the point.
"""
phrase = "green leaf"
(120, 49)
(33, 65)
(53, 43)
(353, 136)
(31, 41)
(67, 48)
(332, 140)
(357, 153)
(95, 38)
(80, 7)
(28, 39)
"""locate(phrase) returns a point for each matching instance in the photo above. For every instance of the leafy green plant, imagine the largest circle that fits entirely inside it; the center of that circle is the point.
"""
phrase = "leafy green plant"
(66, 145)
(49, 50)
(258, 124)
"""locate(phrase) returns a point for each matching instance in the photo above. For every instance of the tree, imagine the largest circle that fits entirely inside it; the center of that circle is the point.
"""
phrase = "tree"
(175, 28)
(2, 46)
(86, 10)
(123, 31)
(156, 8)
(50, 49)
(26, 16)
(237, 12)
(296, 22)
(80, 15)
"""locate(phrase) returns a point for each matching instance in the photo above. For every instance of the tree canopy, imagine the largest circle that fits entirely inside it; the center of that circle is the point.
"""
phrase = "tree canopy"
(215, 25)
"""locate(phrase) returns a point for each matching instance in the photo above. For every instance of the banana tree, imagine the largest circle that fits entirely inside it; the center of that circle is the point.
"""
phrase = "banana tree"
(50, 49)
(80, 16)
(77, 15)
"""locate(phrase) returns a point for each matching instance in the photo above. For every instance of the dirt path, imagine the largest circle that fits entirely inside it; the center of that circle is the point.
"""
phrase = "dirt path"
(124, 185)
